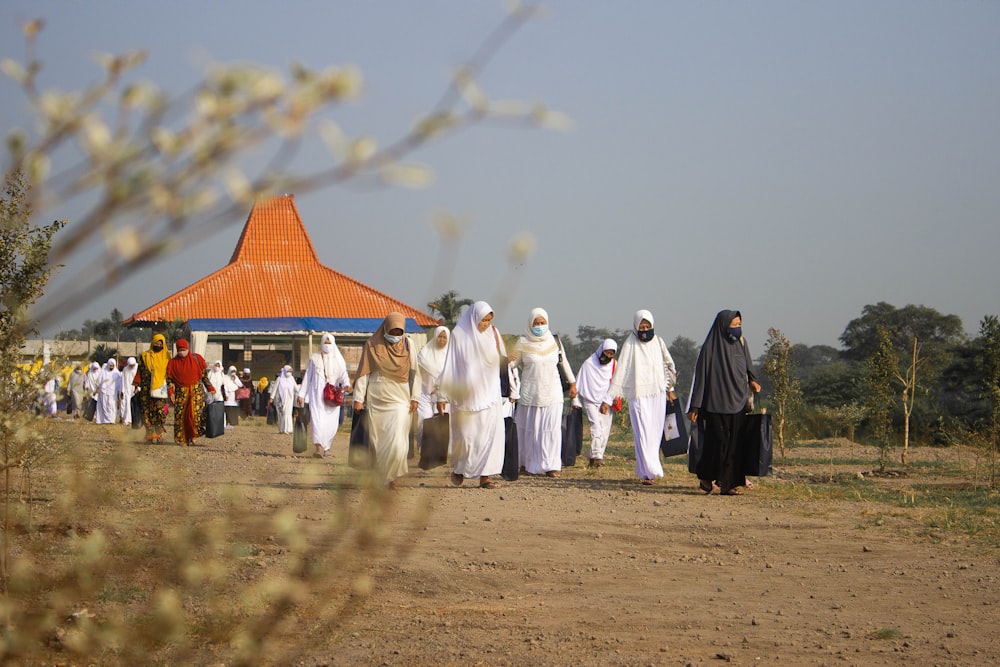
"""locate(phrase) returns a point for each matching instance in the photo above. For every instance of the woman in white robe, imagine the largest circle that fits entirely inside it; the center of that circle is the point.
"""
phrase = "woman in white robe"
(387, 386)
(217, 378)
(109, 387)
(645, 375)
(540, 405)
(230, 384)
(325, 366)
(92, 385)
(128, 374)
(430, 359)
(592, 384)
(283, 399)
(470, 383)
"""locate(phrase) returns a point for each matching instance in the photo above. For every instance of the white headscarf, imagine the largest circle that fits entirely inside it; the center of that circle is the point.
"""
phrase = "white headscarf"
(431, 356)
(594, 378)
(643, 369)
(470, 377)
(539, 345)
(284, 381)
(329, 358)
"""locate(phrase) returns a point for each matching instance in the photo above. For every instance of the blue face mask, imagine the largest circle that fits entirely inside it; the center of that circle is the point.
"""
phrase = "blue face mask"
(540, 330)
(735, 332)
(392, 340)
(644, 336)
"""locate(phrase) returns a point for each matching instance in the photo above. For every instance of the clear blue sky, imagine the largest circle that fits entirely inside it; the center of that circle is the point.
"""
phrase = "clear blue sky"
(794, 160)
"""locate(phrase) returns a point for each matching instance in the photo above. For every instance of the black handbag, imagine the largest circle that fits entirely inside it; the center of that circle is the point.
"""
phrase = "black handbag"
(300, 429)
(89, 408)
(136, 408)
(215, 419)
(272, 415)
(572, 437)
(434, 441)
(755, 446)
(360, 454)
(511, 465)
(677, 444)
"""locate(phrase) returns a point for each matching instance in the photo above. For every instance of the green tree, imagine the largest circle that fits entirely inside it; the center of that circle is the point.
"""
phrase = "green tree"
(785, 391)
(989, 331)
(685, 354)
(449, 307)
(883, 365)
(24, 271)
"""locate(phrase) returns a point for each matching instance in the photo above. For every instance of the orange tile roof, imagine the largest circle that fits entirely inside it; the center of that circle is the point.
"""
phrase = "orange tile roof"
(273, 253)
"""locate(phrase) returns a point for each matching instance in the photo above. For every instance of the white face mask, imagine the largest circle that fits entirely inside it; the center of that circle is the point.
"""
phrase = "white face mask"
(327, 348)
(392, 340)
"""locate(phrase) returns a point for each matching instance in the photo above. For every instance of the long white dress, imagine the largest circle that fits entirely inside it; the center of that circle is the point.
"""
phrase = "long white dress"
(592, 383)
(644, 374)
(128, 374)
(540, 406)
(109, 386)
(430, 359)
(470, 382)
(387, 406)
(283, 397)
(324, 420)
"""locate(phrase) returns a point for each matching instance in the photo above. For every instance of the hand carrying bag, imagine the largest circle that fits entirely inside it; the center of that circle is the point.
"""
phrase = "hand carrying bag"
(333, 395)
(755, 446)
(300, 429)
(360, 454)
(572, 437)
(215, 420)
(434, 441)
(675, 437)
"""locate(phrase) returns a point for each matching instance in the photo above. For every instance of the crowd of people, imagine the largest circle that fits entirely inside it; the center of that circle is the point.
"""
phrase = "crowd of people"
(469, 375)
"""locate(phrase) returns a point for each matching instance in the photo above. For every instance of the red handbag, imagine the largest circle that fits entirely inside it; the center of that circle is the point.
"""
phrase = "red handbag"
(333, 395)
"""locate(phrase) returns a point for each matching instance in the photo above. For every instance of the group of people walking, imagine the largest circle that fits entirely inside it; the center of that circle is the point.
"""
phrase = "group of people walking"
(470, 375)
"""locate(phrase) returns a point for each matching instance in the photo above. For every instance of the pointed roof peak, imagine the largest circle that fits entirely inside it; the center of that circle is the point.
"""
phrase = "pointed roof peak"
(274, 230)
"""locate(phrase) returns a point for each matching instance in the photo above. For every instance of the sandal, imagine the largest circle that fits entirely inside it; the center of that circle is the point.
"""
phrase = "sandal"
(489, 484)
(456, 479)
(647, 482)
(705, 486)
(553, 473)
(735, 491)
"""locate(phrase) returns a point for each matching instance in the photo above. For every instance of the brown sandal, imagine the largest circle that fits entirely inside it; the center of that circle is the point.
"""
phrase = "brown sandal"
(705, 486)
(735, 491)
(456, 479)
(489, 484)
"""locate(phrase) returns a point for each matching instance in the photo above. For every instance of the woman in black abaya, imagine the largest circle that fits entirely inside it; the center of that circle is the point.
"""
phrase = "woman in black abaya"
(723, 379)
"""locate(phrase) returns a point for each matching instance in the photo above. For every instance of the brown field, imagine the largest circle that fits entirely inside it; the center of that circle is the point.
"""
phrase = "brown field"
(272, 558)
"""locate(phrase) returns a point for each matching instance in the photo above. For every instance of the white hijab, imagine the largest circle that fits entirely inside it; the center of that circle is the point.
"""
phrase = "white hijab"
(285, 382)
(431, 357)
(330, 359)
(537, 345)
(470, 377)
(594, 378)
(642, 367)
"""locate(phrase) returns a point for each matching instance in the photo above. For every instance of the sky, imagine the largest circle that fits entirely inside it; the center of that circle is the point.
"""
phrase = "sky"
(796, 161)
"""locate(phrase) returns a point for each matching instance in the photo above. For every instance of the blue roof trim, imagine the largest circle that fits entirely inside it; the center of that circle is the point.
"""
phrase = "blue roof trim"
(296, 324)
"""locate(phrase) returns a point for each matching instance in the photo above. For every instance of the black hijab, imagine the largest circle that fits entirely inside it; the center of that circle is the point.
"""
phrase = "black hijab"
(723, 371)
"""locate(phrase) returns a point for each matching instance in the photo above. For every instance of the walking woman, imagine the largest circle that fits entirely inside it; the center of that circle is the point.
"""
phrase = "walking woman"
(430, 359)
(470, 383)
(325, 367)
(187, 373)
(723, 379)
(283, 397)
(592, 384)
(540, 405)
(231, 405)
(127, 390)
(152, 382)
(384, 387)
(645, 374)
(109, 384)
